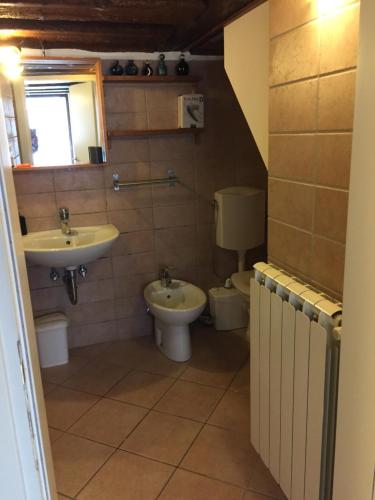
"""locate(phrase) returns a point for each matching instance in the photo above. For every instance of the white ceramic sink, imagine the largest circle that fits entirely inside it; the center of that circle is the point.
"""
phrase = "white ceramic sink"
(55, 249)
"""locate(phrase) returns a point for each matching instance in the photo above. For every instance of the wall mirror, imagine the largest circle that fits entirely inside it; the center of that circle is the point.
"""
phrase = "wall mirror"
(59, 111)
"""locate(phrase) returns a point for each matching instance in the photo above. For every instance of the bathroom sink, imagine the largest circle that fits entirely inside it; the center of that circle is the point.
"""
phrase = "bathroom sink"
(55, 249)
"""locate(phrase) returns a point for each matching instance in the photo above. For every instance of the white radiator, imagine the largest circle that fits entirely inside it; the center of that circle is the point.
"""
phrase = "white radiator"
(294, 340)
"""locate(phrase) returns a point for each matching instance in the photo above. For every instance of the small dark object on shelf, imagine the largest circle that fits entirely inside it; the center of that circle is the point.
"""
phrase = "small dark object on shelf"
(116, 69)
(162, 67)
(23, 225)
(147, 69)
(131, 69)
(182, 67)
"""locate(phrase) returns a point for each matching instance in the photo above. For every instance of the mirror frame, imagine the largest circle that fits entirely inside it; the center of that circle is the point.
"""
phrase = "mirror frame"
(103, 136)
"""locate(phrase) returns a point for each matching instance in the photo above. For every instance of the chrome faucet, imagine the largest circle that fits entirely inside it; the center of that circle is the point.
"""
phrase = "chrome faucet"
(64, 220)
(165, 277)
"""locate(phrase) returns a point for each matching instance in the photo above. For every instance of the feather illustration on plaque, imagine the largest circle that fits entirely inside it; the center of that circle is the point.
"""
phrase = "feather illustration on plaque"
(191, 111)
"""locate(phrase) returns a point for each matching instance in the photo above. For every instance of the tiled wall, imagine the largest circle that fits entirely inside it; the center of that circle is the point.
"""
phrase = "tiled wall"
(159, 225)
(312, 86)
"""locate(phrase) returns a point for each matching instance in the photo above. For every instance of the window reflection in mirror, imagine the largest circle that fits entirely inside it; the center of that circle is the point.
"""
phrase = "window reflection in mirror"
(59, 111)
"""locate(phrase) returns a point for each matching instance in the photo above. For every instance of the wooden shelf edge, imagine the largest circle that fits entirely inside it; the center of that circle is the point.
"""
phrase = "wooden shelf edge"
(150, 79)
(163, 131)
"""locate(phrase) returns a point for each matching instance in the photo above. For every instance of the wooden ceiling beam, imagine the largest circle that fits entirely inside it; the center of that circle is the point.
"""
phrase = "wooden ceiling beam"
(114, 11)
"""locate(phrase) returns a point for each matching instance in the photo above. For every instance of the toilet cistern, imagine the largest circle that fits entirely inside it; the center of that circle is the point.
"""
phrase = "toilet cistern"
(240, 219)
(64, 220)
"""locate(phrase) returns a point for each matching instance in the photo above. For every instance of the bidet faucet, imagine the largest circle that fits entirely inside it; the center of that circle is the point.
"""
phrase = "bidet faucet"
(165, 277)
(64, 220)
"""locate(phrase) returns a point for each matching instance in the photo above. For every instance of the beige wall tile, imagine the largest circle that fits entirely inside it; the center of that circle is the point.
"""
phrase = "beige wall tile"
(135, 326)
(181, 193)
(127, 150)
(171, 216)
(46, 299)
(295, 55)
(327, 266)
(174, 237)
(128, 243)
(131, 306)
(81, 202)
(37, 205)
(293, 107)
(171, 148)
(288, 14)
(94, 333)
(331, 207)
(290, 246)
(292, 156)
(339, 40)
(135, 197)
(127, 121)
(95, 291)
(124, 98)
(292, 203)
(132, 171)
(42, 223)
(333, 159)
(181, 168)
(137, 263)
(336, 101)
(160, 118)
(132, 220)
(178, 258)
(33, 182)
(132, 286)
(80, 179)
(95, 219)
(91, 312)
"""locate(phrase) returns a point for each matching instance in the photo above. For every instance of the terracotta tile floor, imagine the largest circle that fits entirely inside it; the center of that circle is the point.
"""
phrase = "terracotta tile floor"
(127, 423)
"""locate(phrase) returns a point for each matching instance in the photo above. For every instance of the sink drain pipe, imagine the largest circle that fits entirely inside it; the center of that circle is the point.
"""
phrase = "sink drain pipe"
(70, 280)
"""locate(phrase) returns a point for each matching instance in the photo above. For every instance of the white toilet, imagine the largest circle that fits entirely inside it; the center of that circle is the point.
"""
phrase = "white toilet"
(240, 221)
(174, 307)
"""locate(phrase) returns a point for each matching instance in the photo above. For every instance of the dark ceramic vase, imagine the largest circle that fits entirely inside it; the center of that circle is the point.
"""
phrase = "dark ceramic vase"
(182, 67)
(131, 69)
(147, 69)
(116, 69)
(162, 67)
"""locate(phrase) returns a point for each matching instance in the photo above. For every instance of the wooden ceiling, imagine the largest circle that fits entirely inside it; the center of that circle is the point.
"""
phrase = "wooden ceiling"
(120, 25)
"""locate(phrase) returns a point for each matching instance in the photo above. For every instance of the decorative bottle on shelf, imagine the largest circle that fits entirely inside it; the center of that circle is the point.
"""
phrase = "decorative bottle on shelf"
(162, 67)
(116, 69)
(147, 69)
(131, 69)
(182, 67)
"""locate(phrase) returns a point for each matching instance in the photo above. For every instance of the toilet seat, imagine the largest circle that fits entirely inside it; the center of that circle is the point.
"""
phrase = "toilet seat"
(241, 281)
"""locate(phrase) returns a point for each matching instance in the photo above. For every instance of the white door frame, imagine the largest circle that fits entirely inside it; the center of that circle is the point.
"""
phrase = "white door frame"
(355, 437)
(26, 470)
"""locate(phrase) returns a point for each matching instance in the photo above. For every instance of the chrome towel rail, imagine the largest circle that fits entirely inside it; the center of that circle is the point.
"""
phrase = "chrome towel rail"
(171, 180)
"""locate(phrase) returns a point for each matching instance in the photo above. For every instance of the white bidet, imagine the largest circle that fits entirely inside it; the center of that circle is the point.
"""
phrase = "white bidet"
(174, 308)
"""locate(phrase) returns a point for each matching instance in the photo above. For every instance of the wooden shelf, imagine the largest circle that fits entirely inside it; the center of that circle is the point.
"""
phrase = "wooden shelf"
(150, 79)
(162, 131)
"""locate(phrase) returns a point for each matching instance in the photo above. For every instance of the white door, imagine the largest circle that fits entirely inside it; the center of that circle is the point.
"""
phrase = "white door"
(83, 119)
(26, 470)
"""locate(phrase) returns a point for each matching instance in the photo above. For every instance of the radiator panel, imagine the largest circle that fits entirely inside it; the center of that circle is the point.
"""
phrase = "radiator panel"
(318, 352)
(294, 369)
(287, 384)
(254, 362)
(275, 384)
(301, 384)
(264, 374)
